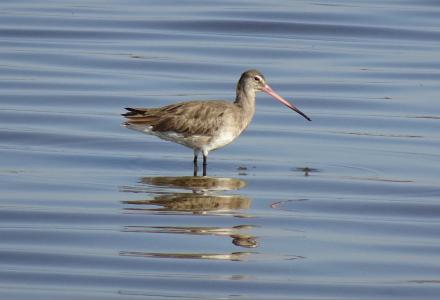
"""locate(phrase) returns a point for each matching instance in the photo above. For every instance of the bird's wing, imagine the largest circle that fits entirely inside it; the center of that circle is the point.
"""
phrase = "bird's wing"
(187, 118)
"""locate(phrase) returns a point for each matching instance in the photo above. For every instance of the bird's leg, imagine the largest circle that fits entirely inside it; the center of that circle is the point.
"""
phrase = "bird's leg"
(195, 164)
(204, 164)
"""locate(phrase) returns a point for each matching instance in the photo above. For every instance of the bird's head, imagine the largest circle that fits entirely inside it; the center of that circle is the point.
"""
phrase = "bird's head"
(254, 80)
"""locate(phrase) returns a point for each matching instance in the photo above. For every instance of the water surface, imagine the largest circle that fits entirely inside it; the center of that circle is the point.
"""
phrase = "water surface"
(343, 207)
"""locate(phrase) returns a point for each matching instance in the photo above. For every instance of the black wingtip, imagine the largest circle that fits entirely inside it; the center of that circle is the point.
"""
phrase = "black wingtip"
(131, 112)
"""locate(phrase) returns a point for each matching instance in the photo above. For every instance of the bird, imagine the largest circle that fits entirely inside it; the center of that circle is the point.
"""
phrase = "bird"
(204, 126)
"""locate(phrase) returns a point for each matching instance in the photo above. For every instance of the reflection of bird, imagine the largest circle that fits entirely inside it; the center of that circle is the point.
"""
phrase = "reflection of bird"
(197, 183)
(195, 203)
(202, 185)
(239, 238)
(205, 125)
(200, 201)
(234, 256)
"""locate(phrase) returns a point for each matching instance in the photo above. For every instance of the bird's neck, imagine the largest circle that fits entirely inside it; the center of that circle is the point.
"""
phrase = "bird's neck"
(245, 98)
(245, 101)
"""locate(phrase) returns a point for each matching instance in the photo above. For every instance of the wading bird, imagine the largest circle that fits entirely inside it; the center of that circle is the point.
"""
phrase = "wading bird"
(205, 125)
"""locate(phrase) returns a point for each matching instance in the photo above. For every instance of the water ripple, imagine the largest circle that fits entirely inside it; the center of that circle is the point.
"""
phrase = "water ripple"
(342, 207)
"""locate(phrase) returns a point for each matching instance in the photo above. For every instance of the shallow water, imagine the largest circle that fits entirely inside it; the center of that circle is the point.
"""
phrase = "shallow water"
(343, 207)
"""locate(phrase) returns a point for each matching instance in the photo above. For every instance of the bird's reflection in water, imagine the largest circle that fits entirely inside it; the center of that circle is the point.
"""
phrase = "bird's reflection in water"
(234, 256)
(236, 233)
(193, 203)
(200, 196)
(203, 199)
(195, 184)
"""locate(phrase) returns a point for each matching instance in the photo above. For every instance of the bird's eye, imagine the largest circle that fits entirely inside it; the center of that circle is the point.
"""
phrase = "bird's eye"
(257, 78)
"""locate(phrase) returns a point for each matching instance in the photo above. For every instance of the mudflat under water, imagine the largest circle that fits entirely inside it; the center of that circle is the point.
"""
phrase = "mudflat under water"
(344, 207)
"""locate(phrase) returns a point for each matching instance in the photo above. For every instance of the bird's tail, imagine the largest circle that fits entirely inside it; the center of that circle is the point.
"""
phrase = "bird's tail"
(133, 112)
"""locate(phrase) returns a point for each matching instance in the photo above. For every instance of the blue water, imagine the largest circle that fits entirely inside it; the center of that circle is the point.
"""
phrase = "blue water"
(343, 207)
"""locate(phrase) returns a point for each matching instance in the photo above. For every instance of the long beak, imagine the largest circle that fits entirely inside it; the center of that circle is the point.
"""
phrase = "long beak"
(268, 90)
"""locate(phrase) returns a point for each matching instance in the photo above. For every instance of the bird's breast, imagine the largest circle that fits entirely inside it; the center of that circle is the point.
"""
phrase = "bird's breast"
(221, 139)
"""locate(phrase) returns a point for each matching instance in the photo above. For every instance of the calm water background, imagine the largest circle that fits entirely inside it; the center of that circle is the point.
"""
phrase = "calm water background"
(344, 207)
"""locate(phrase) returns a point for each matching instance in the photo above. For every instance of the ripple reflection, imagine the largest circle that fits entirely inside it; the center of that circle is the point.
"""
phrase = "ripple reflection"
(202, 200)
(234, 256)
(236, 233)
(196, 196)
